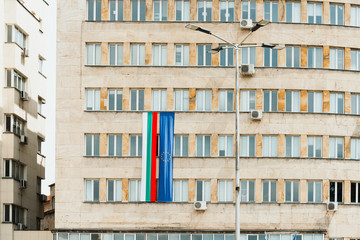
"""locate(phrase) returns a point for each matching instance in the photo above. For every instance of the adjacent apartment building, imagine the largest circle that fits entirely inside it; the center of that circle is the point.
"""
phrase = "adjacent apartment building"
(22, 123)
(299, 165)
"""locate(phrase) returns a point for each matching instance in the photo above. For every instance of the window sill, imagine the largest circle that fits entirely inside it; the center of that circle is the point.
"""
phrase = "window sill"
(22, 49)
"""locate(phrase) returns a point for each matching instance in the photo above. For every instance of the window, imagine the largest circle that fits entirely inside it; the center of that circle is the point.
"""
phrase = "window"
(115, 98)
(293, 12)
(336, 192)
(355, 16)
(114, 190)
(203, 57)
(203, 100)
(94, 10)
(270, 146)
(355, 192)
(291, 191)
(134, 190)
(181, 100)
(269, 191)
(247, 100)
(181, 146)
(137, 54)
(270, 101)
(315, 57)
(92, 190)
(247, 190)
(227, 57)
(15, 80)
(14, 169)
(355, 148)
(315, 102)
(270, 57)
(116, 10)
(355, 104)
(39, 144)
(41, 64)
(92, 99)
(116, 54)
(40, 106)
(159, 100)
(293, 56)
(225, 191)
(336, 14)
(355, 60)
(336, 58)
(204, 10)
(336, 147)
(226, 100)
(159, 55)
(92, 145)
(203, 190)
(114, 145)
(247, 145)
(248, 55)
(181, 55)
(314, 191)
(314, 147)
(226, 11)
(93, 54)
(337, 103)
(182, 10)
(180, 191)
(160, 10)
(138, 9)
(15, 35)
(203, 146)
(137, 100)
(248, 10)
(292, 146)
(14, 214)
(14, 124)
(271, 10)
(292, 101)
(315, 13)
(135, 145)
(226, 146)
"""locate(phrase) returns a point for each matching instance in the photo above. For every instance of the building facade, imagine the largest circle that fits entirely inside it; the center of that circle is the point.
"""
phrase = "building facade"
(299, 165)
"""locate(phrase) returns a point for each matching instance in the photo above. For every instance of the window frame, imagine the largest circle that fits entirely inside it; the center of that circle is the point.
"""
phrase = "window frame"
(224, 96)
(116, 93)
(182, 183)
(92, 193)
(249, 10)
(355, 57)
(206, 98)
(96, 10)
(317, 53)
(95, 50)
(138, 145)
(228, 143)
(295, 15)
(183, 98)
(273, 55)
(270, 141)
(226, 184)
(92, 143)
(137, 183)
(290, 55)
(292, 191)
(270, 190)
(203, 146)
(355, 148)
(337, 58)
(203, 55)
(137, 49)
(316, 106)
(138, 106)
(315, 192)
(247, 100)
(315, 16)
(205, 190)
(162, 11)
(227, 9)
(250, 196)
(356, 192)
(140, 5)
(314, 143)
(184, 8)
(159, 102)
(272, 5)
(183, 152)
(355, 10)
(294, 150)
(335, 197)
(335, 97)
(206, 16)
(15, 79)
(118, 51)
(184, 54)
(159, 54)
(337, 7)
(92, 103)
(249, 147)
(116, 137)
(270, 99)
(116, 184)
(294, 99)
(336, 148)
(119, 8)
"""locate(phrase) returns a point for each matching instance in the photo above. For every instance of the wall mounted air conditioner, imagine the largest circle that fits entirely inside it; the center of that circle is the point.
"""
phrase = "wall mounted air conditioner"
(23, 184)
(247, 69)
(24, 96)
(246, 23)
(200, 205)
(23, 139)
(256, 114)
(332, 206)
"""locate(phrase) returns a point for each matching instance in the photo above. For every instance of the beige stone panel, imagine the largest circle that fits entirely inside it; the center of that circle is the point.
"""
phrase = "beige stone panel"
(171, 54)
(325, 146)
(303, 10)
(281, 11)
(214, 190)
(259, 57)
(126, 53)
(148, 53)
(125, 144)
(326, 101)
(125, 190)
(103, 144)
(281, 190)
(326, 12)
(192, 55)
(171, 10)
(303, 191)
(103, 98)
(303, 146)
(193, 11)
(258, 190)
(192, 145)
(258, 147)
(149, 10)
(148, 99)
(214, 145)
(304, 59)
(237, 12)
(347, 56)
(281, 100)
(259, 10)
(104, 54)
(105, 10)
(347, 14)
(127, 9)
(192, 99)
(259, 99)
(215, 99)
(347, 191)
(191, 191)
(347, 144)
(347, 103)
(126, 98)
(170, 98)
(234, 190)
(281, 56)
(215, 57)
(325, 190)
(281, 145)
(215, 10)
(102, 187)
(326, 56)
(303, 101)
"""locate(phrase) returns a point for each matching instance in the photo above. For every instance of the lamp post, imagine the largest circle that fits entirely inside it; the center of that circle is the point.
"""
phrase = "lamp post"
(236, 47)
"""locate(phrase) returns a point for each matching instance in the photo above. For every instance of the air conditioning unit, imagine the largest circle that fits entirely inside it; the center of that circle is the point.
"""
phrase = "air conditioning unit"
(332, 206)
(20, 226)
(25, 52)
(23, 139)
(43, 198)
(256, 114)
(24, 96)
(246, 23)
(200, 205)
(23, 184)
(247, 69)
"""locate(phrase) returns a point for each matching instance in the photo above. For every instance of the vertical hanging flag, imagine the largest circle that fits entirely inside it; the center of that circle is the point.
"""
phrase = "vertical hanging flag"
(165, 191)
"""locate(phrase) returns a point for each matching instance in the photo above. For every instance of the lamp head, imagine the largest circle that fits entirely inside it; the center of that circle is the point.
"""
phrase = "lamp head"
(216, 50)
(197, 28)
(259, 24)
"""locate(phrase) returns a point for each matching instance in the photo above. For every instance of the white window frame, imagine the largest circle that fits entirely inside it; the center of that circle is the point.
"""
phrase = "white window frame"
(337, 59)
(40, 106)
(270, 100)
(316, 51)
(138, 10)
(159, 99)
(315, 190)
(228, 187)
(16, 169)
(317, 107)
(184, 9)
(245, 146)
(333, 144)
(139, 50)
(312, 140)
(183, 54)
(229, 57)
(204, 54)
(160, 14)
(206, 191)
(203, 146)
(118, 51)
(228, 145)
(336, 190)
(223, 100)
(226, 5)
(247, 100)
(272, 53)
(117, 183)
(181, 95)
(271, 12)
(334, 102)
(357, 189)
(292, 191)
(337, 9)
(137, 92)
(137, 190)
(17, 125)
(247, 9)
(291, 52)
(206, 97)
(116, 93)
(295, 15)
(41, 65)
(92, 102)
(92, 190)
(270, 140)
(245, 194)
(355, 57)
(248, 55)
(95, 50)
(355, 15)
(15, 35)
(206, 4)
(182, 184)
(138, 149)
(182, 150)
(271, 190)
(314, 12)
(15, 79)
(92, 144)
(95, 10)
(294, 95)
(115, 136)
(294, 150)
(355, 104)
(159, 55)
(118, 7)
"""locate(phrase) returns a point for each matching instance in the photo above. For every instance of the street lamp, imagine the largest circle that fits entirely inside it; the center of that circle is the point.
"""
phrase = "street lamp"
(237, 47)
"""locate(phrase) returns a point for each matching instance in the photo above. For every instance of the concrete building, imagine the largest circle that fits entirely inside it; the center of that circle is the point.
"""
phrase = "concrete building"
(22, 122)
(299, 161)
(48, 222)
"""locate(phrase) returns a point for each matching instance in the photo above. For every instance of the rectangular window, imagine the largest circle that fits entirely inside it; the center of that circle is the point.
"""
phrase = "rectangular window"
(270, 101)
(14, 169)
(226, 11)
(181, 100)
(180, 191)
(292, 146)
(159, 100)
(159, 55)
(247, 145)
(41, 65)
(247, 191)
(138, 10)
(203, 146)
(225, 191)
(291, 191)
(355, 16)
(92, 145)
(336, 14)
(315, 13)
(292, 101)
(314, 147)
(226, 100)
(336, 191)
(355, 60)
(204, 9)
(203, 190)
(14, 214)
(94, 10)
(227, 57)
(160, 10)
(355, 192)
(182, 10)
(137, 54)
(92, 99)
(248, 10)
(15, 80)
(115, 98)
(15, 35)
(40, 105)
(40, 142)
(336, 147)
(15, 125)
(292, 56)
(355, 148)
(293, 12)
(336, 58)
(226, 146)
(337, 103)
(114, 190)
(114, 145)
(181, 145)
(116, 10)
(270, 57)
(314, 191)
(116, 54)
(270, 145)
(181, 55)
(355, 104)
(269, 191)
(203, 57)
(92, 190)
(93, 54)
(137, 100)
(248, 55)
(134, 191)
(315, 102)
(203, 100)
(247, 100)
(271, 11)
(315, 57)
(135, 145)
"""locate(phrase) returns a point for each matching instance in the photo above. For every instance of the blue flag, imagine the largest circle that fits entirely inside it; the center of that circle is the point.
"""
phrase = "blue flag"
(165, 191)
(294, 237)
